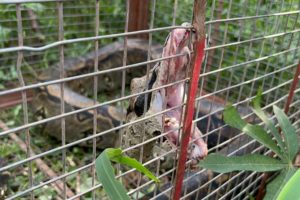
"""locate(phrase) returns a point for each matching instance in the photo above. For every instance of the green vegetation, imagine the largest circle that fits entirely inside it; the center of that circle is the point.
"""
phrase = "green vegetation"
(291, 188)
(105, 172)
(79, 18)
(285, 149)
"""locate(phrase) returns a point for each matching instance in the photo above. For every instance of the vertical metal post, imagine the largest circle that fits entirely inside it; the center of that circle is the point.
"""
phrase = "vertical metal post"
(199, 45)
(95, 124)
(23, 93)
(62, 103)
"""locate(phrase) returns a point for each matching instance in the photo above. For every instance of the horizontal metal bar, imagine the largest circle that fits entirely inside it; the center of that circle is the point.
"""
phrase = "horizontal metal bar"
(19, 89)
(248, 186)
(16, 129)
(295, 102)
(219, 128)
(99, 185)
(45, 27)
(19, 194)
(65, 16)
(295, 123)
(214, 178)
(29, 1)
(82, 169)
(37, 85)
(249, 62)
(252, 17)
(69, 7)
(232, 153)
(244, 83)
(86, 39)
(253, 39)
(80, 140)
(149, 182)
(97, 135)
(294, 114)
(228, 182)
(242, 182)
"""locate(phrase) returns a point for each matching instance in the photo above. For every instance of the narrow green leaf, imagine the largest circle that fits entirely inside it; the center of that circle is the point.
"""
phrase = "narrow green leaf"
(289, 133)
(258, 111)
(105, 173)
(113, 152)
(232, 118)
(276, 185)
(116, 156)
(251, 162)
(135, 164)
(291, 188)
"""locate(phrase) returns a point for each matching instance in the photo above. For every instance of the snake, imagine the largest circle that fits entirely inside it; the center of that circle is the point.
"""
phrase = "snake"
(47, 99)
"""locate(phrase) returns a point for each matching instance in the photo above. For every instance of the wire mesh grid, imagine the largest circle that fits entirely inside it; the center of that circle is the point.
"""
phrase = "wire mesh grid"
(48, 52)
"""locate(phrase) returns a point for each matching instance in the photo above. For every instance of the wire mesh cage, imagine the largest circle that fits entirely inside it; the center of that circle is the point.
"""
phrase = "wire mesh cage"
(67, 78)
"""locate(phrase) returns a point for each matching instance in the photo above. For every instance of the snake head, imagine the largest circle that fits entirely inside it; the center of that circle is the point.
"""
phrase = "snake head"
(177, 40)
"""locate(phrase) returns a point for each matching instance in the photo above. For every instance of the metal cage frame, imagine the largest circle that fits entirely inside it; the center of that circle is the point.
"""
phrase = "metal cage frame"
(286, 93)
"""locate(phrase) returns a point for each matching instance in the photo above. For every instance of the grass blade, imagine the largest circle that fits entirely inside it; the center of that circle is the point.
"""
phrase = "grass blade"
(105, 173)
(276, 185)
(131, 162)
(232, 118)
(251, 162)
(289, 133)
(116, 156)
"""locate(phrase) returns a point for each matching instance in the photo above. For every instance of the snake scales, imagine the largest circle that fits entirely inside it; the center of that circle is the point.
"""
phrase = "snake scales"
(47, 99)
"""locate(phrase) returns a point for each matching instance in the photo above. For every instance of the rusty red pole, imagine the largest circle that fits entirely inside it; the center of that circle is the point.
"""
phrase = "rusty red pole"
(292, 89)
(199, 45)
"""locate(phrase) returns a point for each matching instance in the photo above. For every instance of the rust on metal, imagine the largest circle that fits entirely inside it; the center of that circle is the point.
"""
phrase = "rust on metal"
(138, 17)
(199, 45)
(292, 89)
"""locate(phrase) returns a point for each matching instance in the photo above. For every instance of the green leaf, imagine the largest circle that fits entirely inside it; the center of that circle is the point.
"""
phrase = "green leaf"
(137, 165)
(106, 176)
(258, 111)
(113, 152)
(251, 162)
(289, 133)
(105, 172)
(36, 7)
(291, 188)
(232, 118)
(4, 34)
(116, 156)
(276, 185)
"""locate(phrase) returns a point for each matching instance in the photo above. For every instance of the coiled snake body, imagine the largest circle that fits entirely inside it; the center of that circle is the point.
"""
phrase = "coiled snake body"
(47, 101)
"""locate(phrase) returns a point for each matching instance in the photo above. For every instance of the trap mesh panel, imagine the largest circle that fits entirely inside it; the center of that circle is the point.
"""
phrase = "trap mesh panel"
(251, 44)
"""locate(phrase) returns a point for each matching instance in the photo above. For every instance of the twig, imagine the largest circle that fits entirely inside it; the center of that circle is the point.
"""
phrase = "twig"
(58, 185)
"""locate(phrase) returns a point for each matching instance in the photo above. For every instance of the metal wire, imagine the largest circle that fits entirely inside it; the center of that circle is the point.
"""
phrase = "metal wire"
(24, 97)
(236, 63)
